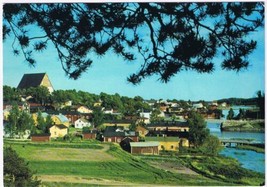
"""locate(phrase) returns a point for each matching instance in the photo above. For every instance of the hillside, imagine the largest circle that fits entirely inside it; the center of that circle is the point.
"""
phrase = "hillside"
(61, 164)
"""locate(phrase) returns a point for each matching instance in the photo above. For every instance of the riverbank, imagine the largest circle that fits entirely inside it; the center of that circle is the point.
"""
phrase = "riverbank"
(243, 125)
(251, 148)
(219, 168)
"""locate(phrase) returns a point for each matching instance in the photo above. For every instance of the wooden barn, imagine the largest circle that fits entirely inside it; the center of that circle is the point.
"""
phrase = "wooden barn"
(40, 138)
(117, 134)
(89, 135)
(145, 148)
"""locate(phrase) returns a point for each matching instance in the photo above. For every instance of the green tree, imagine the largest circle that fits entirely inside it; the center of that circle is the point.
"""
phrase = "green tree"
(25, 122)
(198, 131)
(261, 103)
(16, 170)
(13, 119)
(18, 122)
(197, 32)
(41, 123)
(154, 117)
(59, 97)
(241, 114)
(133, 126)
(40, 94)
(211, 145)
(128, 104)
(98, 117)
(10, 94)
(231, 114)
(49, 123)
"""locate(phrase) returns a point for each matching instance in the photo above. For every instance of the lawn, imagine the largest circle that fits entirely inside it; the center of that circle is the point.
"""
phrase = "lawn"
(61, 164)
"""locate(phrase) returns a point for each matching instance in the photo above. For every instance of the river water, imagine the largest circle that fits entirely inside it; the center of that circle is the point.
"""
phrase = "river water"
(248, 159)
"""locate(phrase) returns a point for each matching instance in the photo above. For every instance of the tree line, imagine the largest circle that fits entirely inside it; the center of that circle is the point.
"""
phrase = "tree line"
(41, 95)
(20, 121)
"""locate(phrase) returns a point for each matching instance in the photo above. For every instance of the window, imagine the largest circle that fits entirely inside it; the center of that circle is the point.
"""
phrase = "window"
(109, 140)
(172, 146)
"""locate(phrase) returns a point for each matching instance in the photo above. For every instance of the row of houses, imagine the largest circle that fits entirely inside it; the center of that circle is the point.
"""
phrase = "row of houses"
(170, 137)
(158, 136)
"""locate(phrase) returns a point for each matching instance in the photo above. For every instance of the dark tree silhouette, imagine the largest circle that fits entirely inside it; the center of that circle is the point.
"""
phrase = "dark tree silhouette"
(17, 171)
(170, 37)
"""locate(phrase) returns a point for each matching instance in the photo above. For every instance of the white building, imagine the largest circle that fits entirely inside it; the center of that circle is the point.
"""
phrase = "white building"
(198, 105)
(145, 116)
(80, 123)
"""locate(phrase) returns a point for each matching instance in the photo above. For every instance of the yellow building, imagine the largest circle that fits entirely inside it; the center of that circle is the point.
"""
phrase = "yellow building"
(142, 131)
(84, 109)
(169, 143)
(169, 146)
(170, 126)
(58, 131)
(119, 123)
(60, 119)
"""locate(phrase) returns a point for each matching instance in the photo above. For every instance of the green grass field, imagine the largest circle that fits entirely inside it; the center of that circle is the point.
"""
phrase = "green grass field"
(92, 163)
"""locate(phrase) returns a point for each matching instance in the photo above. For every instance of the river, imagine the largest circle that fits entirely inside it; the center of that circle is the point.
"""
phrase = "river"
(248, 159)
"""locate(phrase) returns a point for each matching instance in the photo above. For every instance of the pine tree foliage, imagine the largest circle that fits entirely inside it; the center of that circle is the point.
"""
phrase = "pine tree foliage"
(170, 37)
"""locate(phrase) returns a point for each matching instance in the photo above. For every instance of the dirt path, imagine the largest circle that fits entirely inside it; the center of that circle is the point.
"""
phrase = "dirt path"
(89, 181)
(172, 167)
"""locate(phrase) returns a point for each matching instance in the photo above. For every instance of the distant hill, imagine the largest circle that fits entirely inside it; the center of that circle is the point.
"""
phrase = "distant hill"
(239, 101)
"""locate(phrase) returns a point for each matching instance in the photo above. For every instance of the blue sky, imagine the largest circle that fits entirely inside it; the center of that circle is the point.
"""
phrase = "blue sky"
(108, 74)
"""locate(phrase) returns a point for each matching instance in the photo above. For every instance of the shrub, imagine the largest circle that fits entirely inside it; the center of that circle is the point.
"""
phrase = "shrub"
(16, 170)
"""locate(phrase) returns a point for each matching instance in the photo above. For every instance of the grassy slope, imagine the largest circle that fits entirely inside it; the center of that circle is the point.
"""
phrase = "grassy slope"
(216, 167)
(88, 162)
(59, 164)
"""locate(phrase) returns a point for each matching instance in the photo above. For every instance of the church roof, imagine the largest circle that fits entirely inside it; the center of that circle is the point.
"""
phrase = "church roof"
(31, 80)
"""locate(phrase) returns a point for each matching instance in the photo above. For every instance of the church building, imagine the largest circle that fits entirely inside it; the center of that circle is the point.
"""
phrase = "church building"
(35, 80)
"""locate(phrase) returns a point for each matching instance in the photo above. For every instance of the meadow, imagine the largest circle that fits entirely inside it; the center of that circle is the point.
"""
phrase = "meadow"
(90, 163)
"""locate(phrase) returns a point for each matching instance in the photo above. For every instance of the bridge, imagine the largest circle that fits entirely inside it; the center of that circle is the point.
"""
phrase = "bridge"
(235, 142)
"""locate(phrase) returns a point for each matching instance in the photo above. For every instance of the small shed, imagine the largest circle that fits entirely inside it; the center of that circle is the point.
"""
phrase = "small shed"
(89, 135)
(40, 137)
(145, 148)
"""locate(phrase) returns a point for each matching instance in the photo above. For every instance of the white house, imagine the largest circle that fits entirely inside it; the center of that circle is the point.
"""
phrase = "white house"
(108, 111)
(198, 105)
(81, 122)
(145, 116)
